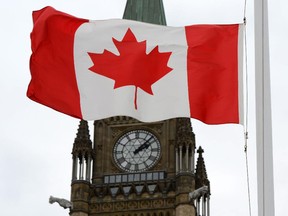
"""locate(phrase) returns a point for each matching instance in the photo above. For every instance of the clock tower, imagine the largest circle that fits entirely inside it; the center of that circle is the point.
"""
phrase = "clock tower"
(138, 169)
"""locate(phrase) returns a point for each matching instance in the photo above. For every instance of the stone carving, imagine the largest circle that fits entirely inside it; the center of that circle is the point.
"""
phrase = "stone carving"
(129, 206)
(157, 128)
(199, 192)
(185, 135)
(116, 120)
(62, 202)
(115, 132)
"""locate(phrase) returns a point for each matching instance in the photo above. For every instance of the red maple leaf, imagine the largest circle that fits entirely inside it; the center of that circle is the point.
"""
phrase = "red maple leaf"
(133, 66)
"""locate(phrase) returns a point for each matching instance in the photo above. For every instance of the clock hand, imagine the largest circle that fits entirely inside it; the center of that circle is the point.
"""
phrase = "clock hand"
(145, 145)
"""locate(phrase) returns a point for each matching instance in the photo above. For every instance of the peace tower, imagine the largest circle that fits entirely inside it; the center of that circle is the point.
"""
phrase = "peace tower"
(138, 169)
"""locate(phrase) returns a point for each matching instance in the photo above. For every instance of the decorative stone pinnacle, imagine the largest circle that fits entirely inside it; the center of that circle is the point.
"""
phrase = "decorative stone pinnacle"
(185, 135)
(201, 174)
(82, 142)
(200, 151)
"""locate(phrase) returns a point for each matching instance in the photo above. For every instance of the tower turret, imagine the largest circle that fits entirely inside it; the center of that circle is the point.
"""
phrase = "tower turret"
(184, 158)
(81, 171)
(202, 202)
(82, 154)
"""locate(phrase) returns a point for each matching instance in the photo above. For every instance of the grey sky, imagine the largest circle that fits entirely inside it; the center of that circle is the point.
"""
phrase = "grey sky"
(36, 142)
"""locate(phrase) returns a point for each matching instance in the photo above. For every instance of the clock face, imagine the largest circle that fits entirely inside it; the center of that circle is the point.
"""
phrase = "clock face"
(136, 151)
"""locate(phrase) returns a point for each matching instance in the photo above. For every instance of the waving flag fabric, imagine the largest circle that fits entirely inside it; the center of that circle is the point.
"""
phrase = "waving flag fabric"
(97, 69)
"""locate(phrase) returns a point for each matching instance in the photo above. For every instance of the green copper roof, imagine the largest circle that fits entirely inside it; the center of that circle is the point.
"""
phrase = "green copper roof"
(150, 11)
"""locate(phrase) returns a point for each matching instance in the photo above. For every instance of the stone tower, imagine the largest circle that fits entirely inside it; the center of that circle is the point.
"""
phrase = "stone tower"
(135, 168)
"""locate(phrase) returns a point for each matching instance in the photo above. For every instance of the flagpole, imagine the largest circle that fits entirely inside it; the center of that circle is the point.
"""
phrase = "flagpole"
(263, 111)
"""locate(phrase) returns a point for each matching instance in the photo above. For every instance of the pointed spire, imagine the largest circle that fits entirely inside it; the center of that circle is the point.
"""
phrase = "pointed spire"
(185, 135)
(82, 142)
(201, 174)
(150, 11)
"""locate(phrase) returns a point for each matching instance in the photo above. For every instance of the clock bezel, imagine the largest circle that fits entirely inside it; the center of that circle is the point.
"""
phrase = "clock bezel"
(148, 167)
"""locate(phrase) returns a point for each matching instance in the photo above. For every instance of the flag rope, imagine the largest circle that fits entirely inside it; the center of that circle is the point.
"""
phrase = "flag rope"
(247, 173)
(244, 9)
(246, 108)
(246, 122)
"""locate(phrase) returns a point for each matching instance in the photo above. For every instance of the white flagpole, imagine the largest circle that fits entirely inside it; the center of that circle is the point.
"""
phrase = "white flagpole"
(263, 111)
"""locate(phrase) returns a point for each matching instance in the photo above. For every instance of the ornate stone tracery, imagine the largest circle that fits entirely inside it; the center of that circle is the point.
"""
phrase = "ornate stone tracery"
(185, 146)
(82, 153)
(148, 206)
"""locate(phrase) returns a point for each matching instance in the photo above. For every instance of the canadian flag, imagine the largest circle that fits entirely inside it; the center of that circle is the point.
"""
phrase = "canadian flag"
(97, 69)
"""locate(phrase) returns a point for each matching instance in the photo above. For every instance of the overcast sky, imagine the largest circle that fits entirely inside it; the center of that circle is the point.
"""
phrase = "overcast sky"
(36, 142)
